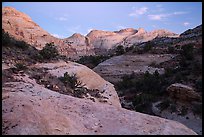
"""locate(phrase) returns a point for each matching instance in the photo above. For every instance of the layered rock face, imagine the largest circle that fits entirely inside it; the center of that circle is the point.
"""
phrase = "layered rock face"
(183, 92)
(126, 37)
(29, 108)
(114, 68)
(21, 26)
(81, 43)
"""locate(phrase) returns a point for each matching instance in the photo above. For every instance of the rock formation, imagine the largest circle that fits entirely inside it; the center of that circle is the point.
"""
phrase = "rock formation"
(81, 43)
(21, 26)
(182, 92)
(104, 40)
(114, 68)
(29, 108)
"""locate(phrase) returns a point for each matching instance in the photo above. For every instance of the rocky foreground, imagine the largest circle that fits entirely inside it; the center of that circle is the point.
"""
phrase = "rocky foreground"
(30, 108)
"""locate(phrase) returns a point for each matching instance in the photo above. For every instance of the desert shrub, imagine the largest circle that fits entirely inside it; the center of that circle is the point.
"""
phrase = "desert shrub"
(198, 84)
(127, 49)
(171, 49)
(6, 39)
(49, 51)
(173, 107)
(71, 80)
(187, 51)
(164, 104)
(37, 57)
(197, 109)
(184, 111)
(168, 72)
(148, 46)
(21, 44)
(143, 101)
(147, 83)
(92, 61)
(120, 50)
(20, 66)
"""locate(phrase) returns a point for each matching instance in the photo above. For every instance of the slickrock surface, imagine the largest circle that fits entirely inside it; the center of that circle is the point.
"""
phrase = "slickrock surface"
(88, 77)
(115, 67)
(29, 108)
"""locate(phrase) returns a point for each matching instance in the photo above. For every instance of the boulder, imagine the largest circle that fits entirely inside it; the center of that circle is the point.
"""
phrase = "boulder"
(183, 92)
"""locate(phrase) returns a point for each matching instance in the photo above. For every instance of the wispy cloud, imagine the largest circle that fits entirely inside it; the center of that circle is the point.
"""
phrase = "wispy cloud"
(139, 11)
(186, 23)
(75, 29)
(158, 16)
(89, 30)
(180, 12)
(62, 18)
(120, 27)
(58, 36)
(163, 16)
(159, 6)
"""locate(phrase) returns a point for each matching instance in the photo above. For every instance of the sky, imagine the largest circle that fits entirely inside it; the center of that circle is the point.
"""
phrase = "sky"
(62, 19)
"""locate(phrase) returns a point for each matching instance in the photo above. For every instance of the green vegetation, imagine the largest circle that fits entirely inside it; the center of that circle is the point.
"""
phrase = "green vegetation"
(72, 81)
(49, 51)
(171, 49)
(120, 50)
(92, 61)
(8, 41)
(146, 89)
(20, 66)
(164, 104)
(187, 52)
(148, 46)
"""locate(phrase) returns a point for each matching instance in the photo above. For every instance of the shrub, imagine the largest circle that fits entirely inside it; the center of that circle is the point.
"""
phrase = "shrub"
(71, 81)
(127, 49)
(120, 50)
(22, 44)
(164, 104)
(49, 51)
(148, 46)
(199, 84)
(92, 61)
(171, 49)
(197, 109)
(173, 107)
(187, 51)
(20, 66)
(6, 39)
(184, 111)
(143, 101)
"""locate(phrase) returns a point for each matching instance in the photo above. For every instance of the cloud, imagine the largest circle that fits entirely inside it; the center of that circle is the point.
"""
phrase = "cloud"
(89, 30)
(159, 6)
(180, 12)
(120, 27)
(163, 16)
(63, 18)
(139, 11)
(158, 16)
(186, 23)
(75, 29)
(58, 36)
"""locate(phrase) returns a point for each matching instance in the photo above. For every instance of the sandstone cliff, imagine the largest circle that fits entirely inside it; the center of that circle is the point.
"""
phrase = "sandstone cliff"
(21, 26)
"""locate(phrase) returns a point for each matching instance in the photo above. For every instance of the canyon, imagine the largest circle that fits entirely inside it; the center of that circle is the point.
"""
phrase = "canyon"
(35, 100)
